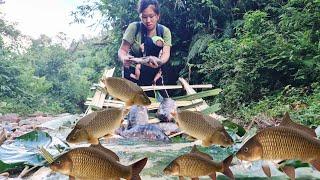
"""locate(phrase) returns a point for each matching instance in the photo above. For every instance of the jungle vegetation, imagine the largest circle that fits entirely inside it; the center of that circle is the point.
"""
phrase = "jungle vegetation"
(264, 54)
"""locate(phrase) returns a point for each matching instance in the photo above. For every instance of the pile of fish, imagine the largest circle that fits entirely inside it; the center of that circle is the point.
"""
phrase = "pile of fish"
(288, 141)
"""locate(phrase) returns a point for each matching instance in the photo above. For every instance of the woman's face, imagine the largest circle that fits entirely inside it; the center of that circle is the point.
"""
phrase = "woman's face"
(149, 17)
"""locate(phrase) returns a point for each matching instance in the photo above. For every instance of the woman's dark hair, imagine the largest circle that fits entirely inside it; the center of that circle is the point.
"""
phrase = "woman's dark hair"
(143, 4)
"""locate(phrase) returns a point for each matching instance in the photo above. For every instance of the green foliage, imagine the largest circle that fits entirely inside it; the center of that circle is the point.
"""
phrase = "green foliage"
(251, 49)
(303, 104)
(266, 54)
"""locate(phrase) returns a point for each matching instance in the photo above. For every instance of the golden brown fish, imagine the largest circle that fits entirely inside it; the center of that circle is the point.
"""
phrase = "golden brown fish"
(95, 125)
(105, 150)
(203, 127)
(126, 91)
(89, 163)
(287, 122)
(192, 165)
(281, 143)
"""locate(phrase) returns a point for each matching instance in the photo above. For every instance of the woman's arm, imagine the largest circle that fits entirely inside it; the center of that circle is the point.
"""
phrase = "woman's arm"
(123, 55)
(154, 61)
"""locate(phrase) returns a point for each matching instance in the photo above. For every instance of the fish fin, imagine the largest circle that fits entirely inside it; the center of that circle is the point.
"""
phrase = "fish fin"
(206, 142)
(213, 176)
(174, 113)
(93, 140)
(107, 136)
(286, 120)
(316, 164)
(181, 178)
(137, 168)
(194, 149)
(266, 170)
(177, 123)
(190, 138)
(129, 104)
(289, 171)
(226, 169)
(72, 178)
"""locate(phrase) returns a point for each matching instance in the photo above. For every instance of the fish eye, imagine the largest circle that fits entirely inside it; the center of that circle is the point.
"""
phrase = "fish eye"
(58, 162)
(246, 149)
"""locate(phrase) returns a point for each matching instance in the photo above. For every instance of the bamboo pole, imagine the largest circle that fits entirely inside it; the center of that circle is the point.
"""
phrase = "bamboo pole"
(151, 88)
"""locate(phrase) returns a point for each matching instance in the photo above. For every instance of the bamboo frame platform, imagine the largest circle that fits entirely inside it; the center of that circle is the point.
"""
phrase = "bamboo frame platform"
(99, 101)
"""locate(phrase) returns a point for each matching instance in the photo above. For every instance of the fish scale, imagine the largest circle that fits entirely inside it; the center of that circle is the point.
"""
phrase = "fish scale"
(194, 165)
(126, 91)
(280, 143)
(188, 123)
(88, 164)
(123, 89)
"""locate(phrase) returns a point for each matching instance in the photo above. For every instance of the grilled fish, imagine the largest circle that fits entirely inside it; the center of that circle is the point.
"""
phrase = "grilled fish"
(90, 163)
(126, 91)
(203, 127)
(95, 125)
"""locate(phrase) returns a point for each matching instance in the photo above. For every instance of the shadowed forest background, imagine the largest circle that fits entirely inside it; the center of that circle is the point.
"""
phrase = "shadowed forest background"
(264, 54)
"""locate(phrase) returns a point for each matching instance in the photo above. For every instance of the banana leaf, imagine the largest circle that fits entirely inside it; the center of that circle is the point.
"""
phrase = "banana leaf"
(198, 95)
(212, 109)
(234, 127)
(24, 150)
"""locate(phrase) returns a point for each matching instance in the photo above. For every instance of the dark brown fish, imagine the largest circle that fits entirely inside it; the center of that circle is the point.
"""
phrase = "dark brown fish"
(192, 165)
(147, 132)
(126, 91)
(89, 163)
(287, 122)
(96, 124)
(167, 106)
(138, 115)
(281, 143)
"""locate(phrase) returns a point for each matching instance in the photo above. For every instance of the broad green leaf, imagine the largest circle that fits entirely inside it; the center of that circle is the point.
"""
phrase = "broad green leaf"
(212, 109)
(198, 95)
(25, 150)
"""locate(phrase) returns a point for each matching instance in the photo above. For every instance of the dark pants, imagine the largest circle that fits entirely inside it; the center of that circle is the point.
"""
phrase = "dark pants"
(147, 75)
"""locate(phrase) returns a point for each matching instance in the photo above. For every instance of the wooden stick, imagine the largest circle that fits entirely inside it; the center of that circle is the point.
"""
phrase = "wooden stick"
(6, 174)
(176, 134)
(24, 172)
(3, 136)
(151, 88)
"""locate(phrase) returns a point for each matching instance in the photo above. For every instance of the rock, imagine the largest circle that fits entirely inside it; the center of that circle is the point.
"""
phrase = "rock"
(10, 118)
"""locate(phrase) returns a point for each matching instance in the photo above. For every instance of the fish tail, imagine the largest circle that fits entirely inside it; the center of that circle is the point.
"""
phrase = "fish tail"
(226, 169)
(316, 163)
(137, 168)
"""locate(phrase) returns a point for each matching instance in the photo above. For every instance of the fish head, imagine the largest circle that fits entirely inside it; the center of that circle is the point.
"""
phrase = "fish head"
(172, 169)
(78, 134)
(250, 151)
(62, 165)
(221, 138)
(141, 99)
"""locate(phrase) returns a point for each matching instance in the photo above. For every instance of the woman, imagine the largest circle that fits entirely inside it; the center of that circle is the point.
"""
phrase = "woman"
(137, 42)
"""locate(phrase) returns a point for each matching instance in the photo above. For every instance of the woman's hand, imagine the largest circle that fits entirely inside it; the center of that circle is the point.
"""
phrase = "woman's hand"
(126, 60)
(154, 62)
